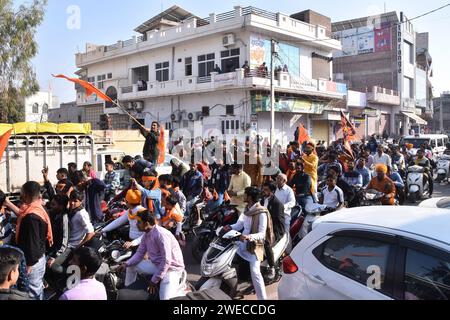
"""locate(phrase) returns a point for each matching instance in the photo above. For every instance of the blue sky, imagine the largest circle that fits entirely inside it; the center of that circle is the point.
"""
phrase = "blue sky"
(106, 21)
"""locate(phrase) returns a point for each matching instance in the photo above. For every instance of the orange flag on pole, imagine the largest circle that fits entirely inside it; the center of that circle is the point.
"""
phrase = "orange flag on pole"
(4, 138)
(161, 146)
(348, 129)
(90, 89)
(349, 133)
(303, 135)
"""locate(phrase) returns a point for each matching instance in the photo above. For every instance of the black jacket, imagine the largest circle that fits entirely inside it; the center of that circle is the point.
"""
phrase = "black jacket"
(276, 210)
(33, 238)
(150, 151)
(12, 294)
(60, 229)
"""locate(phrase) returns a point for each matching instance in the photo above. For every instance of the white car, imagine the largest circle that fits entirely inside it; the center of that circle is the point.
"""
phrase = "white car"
(372, 253)
(442, 203)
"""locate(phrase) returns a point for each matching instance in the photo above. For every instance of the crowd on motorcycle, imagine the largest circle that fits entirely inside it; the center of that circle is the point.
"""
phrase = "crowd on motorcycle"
(240, 222)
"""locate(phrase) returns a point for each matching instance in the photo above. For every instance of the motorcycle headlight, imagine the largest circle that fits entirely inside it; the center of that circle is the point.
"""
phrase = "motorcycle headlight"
(207, 269)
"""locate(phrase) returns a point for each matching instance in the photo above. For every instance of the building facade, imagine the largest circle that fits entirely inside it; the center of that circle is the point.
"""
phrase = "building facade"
(38, 106)
(379, 58)
(67, 113)
(441, 117)
(208, 75)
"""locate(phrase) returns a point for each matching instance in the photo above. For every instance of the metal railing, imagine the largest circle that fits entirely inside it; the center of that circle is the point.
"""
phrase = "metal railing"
(225, 16)
(112, 47)
(129, 42)
(204, 79)
(256, 73)
(259, 12)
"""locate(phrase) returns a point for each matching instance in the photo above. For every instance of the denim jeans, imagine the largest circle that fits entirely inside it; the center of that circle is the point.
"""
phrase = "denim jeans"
(305, 201)
(36, 278)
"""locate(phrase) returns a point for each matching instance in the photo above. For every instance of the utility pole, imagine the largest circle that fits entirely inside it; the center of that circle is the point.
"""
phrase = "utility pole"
(274, 51)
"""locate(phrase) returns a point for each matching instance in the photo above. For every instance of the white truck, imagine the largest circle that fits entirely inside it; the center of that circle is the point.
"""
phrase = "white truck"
(27, 154)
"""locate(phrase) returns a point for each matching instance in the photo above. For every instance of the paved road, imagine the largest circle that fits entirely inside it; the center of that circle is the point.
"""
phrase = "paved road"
(193, 268)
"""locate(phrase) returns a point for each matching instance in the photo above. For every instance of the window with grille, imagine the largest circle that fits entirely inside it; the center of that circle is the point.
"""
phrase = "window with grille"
(162, 71)
(230, 110)
(188, 66)
(230, 60)
(206, 64)
(230, 126)
(35, 108)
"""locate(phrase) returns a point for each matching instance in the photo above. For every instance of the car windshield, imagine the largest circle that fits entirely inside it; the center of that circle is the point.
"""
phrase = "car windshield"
(444, 203)
(415, 142)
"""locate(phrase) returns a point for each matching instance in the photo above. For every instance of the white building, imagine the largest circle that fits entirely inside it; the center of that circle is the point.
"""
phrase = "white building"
(38, 105)
(176, 54)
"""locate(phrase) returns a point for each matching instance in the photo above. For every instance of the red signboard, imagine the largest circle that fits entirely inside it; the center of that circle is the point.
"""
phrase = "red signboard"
(383, 38)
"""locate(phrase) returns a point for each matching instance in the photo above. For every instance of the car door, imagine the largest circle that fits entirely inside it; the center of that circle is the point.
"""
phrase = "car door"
(351, 265)
(423, 272)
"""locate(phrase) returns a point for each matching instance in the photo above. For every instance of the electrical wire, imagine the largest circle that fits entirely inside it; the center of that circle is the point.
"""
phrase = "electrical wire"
(367, 32)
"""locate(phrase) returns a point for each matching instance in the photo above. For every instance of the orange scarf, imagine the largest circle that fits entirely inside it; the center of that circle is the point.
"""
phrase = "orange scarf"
(151, 206)
(37, 209)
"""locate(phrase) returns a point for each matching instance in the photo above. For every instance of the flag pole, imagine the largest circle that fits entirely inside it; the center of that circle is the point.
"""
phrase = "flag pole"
(129, 114)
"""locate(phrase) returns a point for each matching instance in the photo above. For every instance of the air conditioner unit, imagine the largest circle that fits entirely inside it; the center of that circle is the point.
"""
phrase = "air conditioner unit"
(199, 116)
(190, 116)
(175, 117)
(228, 40)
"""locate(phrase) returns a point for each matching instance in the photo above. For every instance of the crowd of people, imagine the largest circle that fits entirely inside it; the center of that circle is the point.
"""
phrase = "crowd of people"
(56, 226)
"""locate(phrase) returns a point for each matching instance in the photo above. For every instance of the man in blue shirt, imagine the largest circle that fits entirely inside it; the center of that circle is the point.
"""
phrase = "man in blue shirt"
(192, 186)
(365, 173)
(353, 177)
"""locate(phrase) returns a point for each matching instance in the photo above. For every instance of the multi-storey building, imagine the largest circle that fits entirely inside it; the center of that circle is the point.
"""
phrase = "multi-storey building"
(207, 75)
(441, 122)
(379, 58)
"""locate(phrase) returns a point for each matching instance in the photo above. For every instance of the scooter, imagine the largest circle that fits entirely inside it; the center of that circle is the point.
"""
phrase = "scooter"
(371, 198)
(206, 232)
(443, 168)
(313, 212)
(219, 272)
(415, 185)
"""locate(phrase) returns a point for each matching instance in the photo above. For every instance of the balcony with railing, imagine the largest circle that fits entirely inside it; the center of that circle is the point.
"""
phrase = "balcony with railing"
(383, 96)
(189, 29)
(251, 79)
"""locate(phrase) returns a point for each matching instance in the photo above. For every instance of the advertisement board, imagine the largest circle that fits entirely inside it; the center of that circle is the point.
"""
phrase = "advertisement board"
(261, 103)
(260, 49)
(366, 40)
(383, 39)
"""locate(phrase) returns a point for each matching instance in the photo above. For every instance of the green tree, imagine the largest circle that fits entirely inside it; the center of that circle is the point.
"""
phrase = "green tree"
(17, 48)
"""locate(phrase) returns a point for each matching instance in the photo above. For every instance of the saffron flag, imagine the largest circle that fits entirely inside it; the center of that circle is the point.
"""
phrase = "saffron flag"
(303, 135)
(161, 146)
(348, 129)
(349, 132)
(4, 138)
(90, 89)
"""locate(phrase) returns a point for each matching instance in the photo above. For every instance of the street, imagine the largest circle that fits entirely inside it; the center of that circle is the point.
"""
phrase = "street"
(193, 268)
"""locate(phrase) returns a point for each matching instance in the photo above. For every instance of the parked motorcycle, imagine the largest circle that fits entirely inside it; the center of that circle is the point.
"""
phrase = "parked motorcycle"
(443, 168)
(224, 215)
(219, 272)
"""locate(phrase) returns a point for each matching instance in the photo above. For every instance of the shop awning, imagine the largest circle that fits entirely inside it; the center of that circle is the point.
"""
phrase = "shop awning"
(416, 118)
